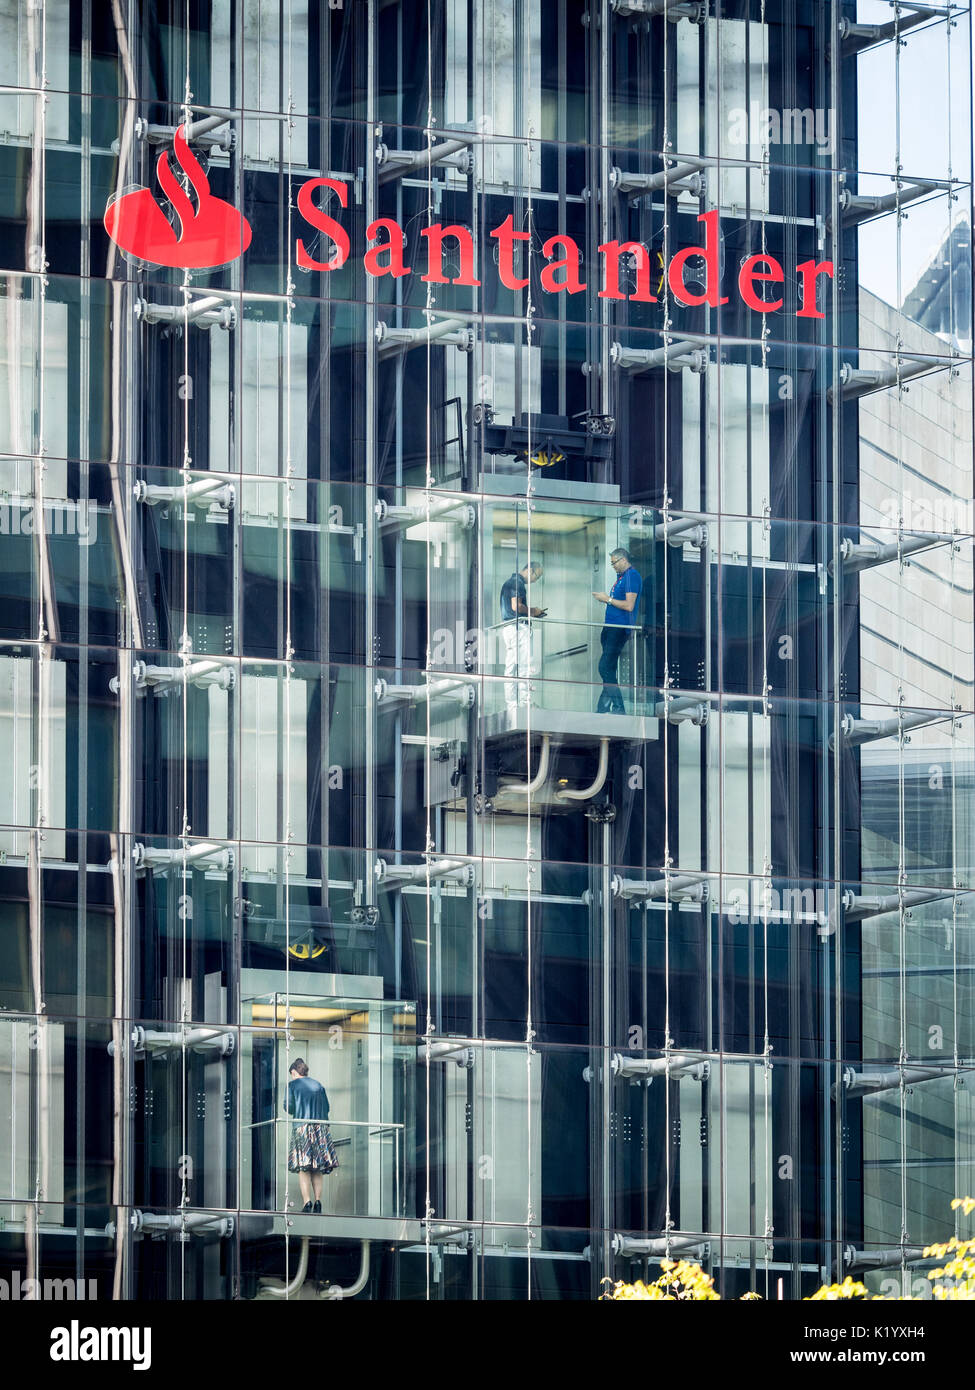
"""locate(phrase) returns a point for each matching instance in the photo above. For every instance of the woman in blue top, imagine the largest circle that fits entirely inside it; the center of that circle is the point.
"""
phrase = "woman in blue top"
(312, 1153)
(621, 603)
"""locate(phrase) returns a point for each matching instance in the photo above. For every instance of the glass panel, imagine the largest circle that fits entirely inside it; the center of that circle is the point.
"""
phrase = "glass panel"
(486, 547)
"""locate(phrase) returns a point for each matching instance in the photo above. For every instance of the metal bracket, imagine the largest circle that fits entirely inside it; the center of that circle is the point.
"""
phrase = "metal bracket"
(391, 341)
(679, 888)
(446, 1050)
(856, 731)
(219, 1043)
(449, 688)
(398, 164)
(155, 1224)
(674, 1064)
(856, 381)
(449, 868)
(676, 357)
(855, 37)
(204, 492)
(205, 855)
(391, 517)
(864, 555)
(201, 673)
(860, 207)
(205, 313)
(674, 10)
(683, 709)
(682, 530)
(196, 133)
(684, 176)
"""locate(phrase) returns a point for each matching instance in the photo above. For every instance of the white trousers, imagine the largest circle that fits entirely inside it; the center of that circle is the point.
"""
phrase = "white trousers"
(517, 663)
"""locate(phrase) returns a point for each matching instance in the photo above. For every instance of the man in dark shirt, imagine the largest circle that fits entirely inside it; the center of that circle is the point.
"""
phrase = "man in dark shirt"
(517, 634)
(622, 603)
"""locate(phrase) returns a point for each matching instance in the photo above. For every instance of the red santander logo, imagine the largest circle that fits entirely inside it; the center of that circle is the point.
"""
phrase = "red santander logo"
(212, 234)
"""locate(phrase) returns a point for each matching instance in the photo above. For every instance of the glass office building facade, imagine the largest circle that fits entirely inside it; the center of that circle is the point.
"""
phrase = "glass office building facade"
(594, 971)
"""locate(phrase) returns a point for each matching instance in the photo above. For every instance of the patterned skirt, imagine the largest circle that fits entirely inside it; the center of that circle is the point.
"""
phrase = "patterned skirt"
(312, 1150)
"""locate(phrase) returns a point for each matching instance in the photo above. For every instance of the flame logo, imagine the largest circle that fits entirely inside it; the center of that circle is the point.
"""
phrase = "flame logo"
(211, 235)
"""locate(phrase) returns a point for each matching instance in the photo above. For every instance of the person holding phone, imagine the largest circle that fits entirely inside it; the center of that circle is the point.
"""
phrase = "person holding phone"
(619, 622)
(517, 613)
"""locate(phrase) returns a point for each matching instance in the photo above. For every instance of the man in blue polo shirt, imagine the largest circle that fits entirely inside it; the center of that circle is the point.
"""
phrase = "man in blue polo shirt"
(622, 603)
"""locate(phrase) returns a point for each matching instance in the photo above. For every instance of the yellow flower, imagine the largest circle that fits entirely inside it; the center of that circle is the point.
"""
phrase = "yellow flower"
(682, 1279)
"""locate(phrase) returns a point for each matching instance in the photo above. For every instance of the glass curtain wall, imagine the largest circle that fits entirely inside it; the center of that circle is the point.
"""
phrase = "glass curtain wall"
(613, 933)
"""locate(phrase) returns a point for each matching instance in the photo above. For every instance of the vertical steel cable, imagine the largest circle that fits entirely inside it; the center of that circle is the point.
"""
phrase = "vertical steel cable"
(901, 801)
(530, 858)
(46, 621)
(954, 701)
(428, 836)
(766, 706)
(285, 756)
(668, 1040)
(185, 652)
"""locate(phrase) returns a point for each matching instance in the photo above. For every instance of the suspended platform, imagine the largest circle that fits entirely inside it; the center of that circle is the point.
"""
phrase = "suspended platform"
(577, 728)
